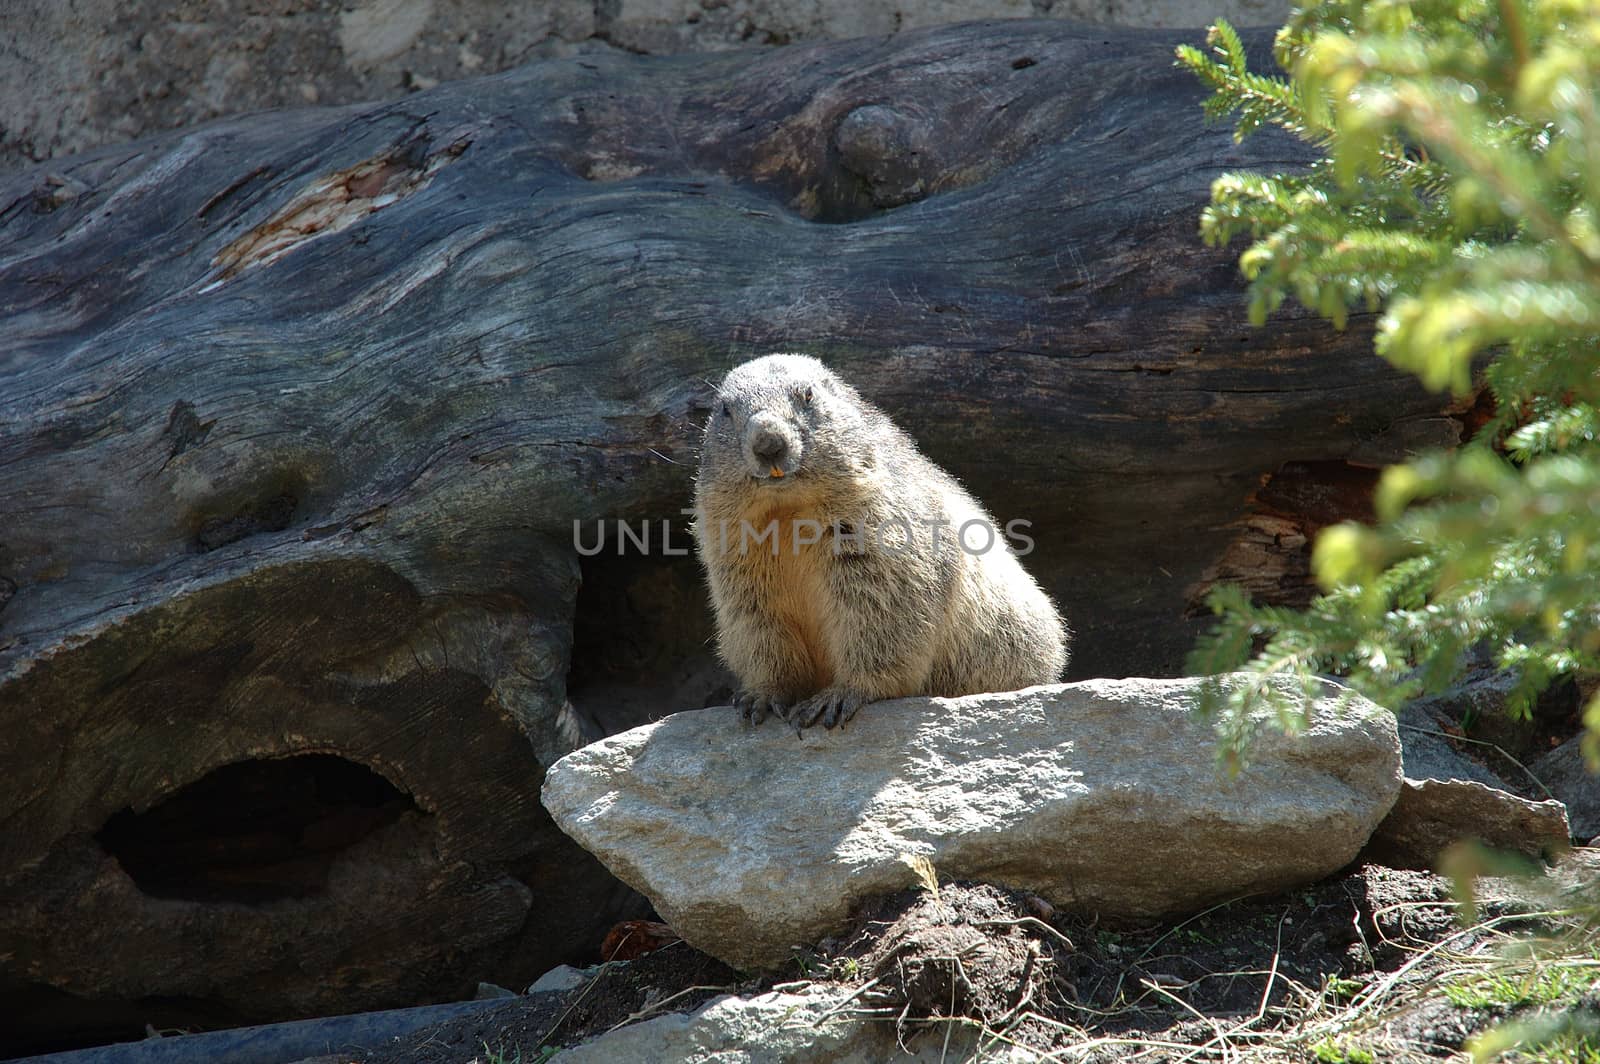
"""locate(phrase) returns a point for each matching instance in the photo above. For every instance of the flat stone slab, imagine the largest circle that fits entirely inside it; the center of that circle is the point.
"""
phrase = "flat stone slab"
(1100, 796)
(1430, 816)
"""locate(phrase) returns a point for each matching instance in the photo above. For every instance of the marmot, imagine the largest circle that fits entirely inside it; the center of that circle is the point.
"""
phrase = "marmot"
(844, 566)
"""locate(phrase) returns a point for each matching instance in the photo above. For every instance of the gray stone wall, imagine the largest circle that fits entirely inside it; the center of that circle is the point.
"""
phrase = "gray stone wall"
(75, 74)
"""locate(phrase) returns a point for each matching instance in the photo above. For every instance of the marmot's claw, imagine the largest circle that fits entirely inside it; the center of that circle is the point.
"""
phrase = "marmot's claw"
(754, 708)
(810, 711)
(831, 707)
(843, 709)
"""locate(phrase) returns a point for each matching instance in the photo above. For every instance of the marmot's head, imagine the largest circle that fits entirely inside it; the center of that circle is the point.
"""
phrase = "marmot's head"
(783, 418)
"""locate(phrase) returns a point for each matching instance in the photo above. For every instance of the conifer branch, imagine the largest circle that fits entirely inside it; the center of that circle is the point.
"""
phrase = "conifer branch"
(1458, 191)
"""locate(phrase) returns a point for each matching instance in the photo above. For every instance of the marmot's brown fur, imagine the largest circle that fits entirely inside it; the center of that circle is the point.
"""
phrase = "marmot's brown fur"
(835, 608)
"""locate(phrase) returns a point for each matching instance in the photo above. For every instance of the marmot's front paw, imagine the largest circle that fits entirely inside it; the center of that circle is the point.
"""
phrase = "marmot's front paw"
(830, 706)
(754, 708)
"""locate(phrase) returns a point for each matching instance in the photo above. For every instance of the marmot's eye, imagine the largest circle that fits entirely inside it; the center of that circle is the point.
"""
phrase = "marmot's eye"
(807, 397)
(725, 411)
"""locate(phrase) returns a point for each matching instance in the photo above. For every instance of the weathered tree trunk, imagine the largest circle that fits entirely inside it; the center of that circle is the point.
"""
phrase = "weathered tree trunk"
(297, 413)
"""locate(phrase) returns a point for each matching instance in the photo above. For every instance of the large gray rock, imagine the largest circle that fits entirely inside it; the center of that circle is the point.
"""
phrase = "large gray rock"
(1100, 796)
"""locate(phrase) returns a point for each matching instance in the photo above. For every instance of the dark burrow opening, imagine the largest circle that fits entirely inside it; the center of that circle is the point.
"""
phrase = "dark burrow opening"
(253, 831)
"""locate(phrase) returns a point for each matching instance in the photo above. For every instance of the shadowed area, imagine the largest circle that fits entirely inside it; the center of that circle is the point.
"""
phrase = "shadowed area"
(253, 831)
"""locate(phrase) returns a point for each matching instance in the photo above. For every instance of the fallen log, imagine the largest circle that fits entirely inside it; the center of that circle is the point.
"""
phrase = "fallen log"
(298, 413)
(298, 1040)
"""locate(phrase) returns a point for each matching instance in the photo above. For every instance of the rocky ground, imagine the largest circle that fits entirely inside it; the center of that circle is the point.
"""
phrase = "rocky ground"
(1374, 965)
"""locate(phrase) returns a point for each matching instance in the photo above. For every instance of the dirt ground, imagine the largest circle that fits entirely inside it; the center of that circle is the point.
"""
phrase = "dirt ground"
(1345, 970)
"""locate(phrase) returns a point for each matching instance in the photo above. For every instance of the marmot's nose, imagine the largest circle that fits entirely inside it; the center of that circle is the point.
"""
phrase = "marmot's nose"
(769, 447)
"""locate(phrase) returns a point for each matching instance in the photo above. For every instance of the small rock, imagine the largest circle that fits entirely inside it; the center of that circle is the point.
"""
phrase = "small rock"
(492, 992)
(1101, 796)
(560, 978)
(819, 1026)
(1569, 779)
(1430, 815)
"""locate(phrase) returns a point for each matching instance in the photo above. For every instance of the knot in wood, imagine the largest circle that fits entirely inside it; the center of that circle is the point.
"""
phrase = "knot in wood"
(886, 149)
